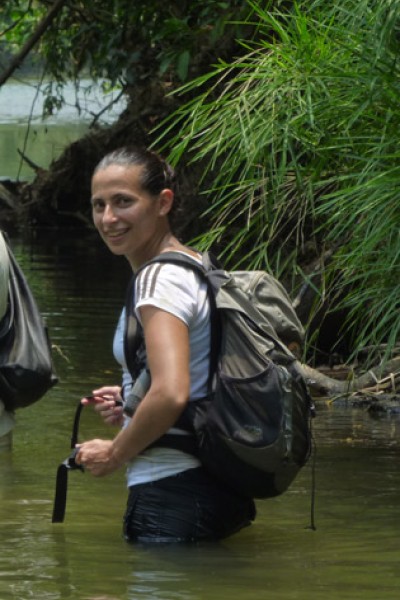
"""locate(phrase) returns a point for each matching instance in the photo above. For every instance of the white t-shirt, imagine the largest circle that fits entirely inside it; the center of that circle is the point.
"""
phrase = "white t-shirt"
(181, 292)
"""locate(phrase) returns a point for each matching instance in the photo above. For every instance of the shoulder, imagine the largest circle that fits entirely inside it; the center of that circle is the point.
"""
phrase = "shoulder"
(172, 288)
(162, 277)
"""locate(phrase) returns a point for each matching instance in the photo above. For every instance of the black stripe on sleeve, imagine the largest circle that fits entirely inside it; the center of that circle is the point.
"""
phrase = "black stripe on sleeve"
(146, 282)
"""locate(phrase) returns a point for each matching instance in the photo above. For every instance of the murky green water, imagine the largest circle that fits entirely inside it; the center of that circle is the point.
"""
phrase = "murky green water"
(42, 141)
(353, 554)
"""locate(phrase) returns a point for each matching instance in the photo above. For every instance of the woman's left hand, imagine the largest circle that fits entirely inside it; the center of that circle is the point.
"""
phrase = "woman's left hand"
(97, 457)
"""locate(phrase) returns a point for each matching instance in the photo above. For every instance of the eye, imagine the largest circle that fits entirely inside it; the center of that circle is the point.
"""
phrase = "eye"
(97, 204)
(122, 200)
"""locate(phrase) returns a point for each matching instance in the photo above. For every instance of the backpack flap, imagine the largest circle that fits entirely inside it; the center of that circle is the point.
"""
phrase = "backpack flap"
(274, 303)
(261, 297)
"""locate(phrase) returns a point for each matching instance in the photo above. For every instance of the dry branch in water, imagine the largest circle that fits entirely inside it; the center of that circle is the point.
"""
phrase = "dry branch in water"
(383, 378)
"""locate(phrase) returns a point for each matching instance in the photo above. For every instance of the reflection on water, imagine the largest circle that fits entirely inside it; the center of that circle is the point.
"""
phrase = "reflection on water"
(41, 144)
(42, 141)
(353, 554)
(23, 98)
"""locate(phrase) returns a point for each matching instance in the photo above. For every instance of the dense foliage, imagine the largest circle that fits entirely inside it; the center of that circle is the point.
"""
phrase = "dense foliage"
(124, 43)
(302, 137)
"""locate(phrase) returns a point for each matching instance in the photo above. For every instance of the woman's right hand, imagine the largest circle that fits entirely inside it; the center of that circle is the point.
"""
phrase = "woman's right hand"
(107, 402)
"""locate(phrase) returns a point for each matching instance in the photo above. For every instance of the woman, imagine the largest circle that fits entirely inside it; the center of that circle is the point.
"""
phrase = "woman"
(171, 497)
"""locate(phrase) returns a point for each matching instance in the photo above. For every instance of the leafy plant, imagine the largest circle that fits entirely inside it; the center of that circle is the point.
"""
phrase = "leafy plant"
(300, 136)
(122, 41)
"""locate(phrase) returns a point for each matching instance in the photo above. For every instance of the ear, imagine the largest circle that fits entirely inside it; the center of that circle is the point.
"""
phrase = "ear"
(166, 200)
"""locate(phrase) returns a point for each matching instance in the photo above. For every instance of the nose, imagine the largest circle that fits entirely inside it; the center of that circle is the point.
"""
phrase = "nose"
(109, 215)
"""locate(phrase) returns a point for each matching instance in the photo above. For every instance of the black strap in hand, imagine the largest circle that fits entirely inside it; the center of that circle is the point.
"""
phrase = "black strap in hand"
(60, 498)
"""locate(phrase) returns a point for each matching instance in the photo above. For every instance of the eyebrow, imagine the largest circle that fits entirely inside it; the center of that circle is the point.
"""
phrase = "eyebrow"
(116, 196)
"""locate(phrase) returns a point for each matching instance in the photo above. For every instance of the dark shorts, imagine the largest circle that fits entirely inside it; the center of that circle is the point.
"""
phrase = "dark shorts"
(187, 507)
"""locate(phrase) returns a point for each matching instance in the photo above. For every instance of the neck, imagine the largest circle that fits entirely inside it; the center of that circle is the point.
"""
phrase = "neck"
(166, 243)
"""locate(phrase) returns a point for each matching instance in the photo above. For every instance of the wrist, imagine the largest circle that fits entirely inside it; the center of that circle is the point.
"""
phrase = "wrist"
(118, 456)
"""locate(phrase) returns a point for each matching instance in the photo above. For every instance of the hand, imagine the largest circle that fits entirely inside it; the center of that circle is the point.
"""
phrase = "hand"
(107, 403)
(97, 457)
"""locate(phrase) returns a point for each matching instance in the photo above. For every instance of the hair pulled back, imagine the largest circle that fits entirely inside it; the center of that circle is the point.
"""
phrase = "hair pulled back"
(156, 174)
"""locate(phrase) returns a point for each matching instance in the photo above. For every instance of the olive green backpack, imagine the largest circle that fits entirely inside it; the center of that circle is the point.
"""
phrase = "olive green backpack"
(253, 430)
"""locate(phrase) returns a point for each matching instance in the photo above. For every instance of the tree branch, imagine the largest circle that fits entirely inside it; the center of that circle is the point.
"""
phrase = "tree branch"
(29, 162)
(35, 37)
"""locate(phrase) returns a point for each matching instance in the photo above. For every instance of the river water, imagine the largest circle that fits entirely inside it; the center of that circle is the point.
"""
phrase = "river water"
(353, 554)
(42, 140)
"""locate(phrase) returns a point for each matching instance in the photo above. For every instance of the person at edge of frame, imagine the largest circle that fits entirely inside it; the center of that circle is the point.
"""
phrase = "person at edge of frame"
(7, 421)
(171, 497)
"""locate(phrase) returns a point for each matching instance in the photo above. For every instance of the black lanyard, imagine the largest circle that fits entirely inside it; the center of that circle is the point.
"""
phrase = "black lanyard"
(69, 464)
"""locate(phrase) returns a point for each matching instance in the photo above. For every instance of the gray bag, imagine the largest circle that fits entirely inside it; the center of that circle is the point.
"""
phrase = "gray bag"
(26, 364)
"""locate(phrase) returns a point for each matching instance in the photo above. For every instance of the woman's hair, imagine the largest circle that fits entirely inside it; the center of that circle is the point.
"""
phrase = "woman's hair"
(156, 174)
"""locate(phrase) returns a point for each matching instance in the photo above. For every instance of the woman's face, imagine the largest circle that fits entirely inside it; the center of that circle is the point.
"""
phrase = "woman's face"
(130, 220)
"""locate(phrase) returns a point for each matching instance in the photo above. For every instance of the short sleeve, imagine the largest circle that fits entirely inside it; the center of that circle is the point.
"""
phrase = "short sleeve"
(170, 287)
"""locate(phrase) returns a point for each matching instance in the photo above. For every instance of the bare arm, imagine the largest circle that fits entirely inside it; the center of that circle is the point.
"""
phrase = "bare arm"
(168, 354)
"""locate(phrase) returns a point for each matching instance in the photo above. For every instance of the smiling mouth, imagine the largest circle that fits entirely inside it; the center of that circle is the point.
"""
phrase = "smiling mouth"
(115, 235)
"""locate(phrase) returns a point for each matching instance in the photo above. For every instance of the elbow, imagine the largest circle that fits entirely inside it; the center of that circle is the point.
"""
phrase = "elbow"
(176, 397)
(178, 402)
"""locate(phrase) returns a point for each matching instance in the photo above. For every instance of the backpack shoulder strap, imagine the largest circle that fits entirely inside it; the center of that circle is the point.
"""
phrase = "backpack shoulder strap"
(133, 340)
(133, 334)
(177, 258)
(206, 270)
